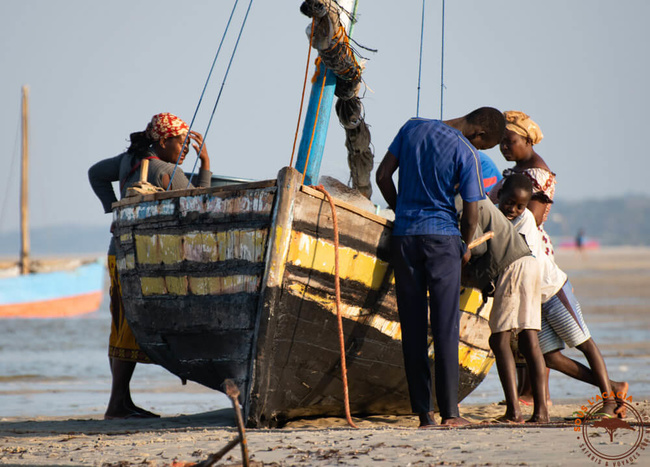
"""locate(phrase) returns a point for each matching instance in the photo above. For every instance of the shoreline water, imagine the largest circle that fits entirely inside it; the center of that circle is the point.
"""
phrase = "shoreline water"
(54, 383)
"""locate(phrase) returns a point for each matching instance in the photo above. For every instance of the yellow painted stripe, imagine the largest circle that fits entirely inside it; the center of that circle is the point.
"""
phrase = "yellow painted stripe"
(477, 361)
(470, 300)
(202, 247)
(390, 328)
(317, 254)
(183, 285)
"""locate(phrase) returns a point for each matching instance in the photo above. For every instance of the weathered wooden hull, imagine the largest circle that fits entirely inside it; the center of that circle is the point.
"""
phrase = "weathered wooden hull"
(237, 282)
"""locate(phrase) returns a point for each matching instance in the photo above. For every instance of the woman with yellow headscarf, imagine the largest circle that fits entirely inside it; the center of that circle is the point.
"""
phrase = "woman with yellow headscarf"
(521, 134)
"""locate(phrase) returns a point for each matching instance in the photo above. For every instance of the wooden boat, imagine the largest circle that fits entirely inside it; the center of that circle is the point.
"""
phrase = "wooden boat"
(237, 282)
(46, 289)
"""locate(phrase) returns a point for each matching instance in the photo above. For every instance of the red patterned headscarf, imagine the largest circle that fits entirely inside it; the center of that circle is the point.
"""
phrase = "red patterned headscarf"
(166, 125)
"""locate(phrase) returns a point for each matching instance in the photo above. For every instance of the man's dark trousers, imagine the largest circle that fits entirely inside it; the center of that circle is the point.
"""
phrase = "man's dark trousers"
(433, 263)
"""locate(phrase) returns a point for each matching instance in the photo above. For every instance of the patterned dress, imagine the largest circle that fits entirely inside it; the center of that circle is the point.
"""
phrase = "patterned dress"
(543, 182)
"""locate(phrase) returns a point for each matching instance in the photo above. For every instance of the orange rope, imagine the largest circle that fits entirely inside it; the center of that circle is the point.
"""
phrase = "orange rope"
(313, 130)
(337, 292)
(302, 97)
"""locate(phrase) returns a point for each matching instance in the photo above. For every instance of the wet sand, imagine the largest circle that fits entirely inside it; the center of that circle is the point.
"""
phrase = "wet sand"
(613, 286)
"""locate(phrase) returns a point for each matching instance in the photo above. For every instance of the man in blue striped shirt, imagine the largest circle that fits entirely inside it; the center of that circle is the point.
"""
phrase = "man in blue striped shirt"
(436, 160)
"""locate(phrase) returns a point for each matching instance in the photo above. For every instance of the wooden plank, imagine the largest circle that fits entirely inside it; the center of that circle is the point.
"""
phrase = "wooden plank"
(313, 214)
(349, 207)
(192, 192)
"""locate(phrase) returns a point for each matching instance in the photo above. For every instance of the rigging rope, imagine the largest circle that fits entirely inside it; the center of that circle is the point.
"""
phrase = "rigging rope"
(417, 110)
(337, 293)
(187, 137)
(302, 97)
(442, 59)
(214, 109)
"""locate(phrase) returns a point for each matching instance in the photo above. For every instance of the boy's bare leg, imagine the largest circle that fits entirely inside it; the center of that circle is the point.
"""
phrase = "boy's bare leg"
(596, 376)
(500, 345)
(526, 390)
(529, 346)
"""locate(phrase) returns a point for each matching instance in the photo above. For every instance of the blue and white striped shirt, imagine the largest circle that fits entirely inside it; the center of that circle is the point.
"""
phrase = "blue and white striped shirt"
(435, 163)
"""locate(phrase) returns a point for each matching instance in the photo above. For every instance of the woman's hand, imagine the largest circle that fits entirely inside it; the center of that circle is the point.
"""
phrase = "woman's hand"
(203, 155)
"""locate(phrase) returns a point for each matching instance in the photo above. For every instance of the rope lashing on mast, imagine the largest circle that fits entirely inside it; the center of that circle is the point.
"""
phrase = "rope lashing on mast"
(186, 141)
(225, 77)
(336, 53)
(339, 319)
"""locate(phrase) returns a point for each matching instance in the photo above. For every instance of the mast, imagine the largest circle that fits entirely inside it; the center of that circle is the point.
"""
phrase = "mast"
(24, 187)
(310, 151)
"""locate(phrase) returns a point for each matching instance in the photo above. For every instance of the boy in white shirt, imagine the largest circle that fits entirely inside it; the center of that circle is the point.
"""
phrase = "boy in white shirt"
(562, 320)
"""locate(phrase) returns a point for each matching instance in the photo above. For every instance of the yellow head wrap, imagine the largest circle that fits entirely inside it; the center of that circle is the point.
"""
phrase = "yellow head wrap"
(523, 125)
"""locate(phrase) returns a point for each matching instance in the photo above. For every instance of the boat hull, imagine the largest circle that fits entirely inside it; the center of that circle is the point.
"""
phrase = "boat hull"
(55, 294)
(238, 283)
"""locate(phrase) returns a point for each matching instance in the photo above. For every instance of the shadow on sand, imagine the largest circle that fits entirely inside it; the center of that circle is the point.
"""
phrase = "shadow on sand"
(222, 418)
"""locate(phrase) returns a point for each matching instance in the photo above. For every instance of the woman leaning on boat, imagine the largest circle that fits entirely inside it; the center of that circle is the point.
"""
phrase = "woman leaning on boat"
(162, 144)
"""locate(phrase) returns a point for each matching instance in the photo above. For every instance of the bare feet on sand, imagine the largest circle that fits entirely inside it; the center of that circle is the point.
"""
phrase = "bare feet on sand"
(131, 412)
(510, 417)
(427, 420)
(505, 419)
(539, 418)
(456, 421)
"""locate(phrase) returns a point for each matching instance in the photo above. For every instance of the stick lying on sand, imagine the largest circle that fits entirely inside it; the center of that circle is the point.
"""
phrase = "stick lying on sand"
(482, 239)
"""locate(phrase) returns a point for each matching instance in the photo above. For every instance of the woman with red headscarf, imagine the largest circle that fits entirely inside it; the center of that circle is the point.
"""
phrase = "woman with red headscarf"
(162, 143)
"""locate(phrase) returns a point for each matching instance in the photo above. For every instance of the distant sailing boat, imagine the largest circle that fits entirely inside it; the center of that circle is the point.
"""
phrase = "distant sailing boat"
(45, 289)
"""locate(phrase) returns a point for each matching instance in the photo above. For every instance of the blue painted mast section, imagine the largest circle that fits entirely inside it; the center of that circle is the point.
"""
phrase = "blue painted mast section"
(321, 123)
(324, 111)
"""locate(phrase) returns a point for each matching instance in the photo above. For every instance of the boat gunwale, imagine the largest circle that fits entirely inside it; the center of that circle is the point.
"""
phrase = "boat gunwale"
(348, 206)
(159, 196)
(248, 186)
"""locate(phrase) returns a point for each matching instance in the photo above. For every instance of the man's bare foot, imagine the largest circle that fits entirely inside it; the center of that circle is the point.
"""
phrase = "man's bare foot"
(620, 389)
(455, 421)
(427, 420)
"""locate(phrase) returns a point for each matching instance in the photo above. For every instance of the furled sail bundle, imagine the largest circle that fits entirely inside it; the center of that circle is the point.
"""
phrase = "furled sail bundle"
(332, 42)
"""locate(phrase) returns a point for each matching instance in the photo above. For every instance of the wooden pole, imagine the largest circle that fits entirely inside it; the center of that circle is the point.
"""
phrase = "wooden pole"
(482, 239)
(144, 170)
(310, 151)
(24, 188)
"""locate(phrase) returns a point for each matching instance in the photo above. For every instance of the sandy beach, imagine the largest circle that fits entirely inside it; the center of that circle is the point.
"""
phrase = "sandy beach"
(612, 285)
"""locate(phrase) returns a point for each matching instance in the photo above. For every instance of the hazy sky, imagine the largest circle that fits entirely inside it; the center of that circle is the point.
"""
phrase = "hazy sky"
(98, 71)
